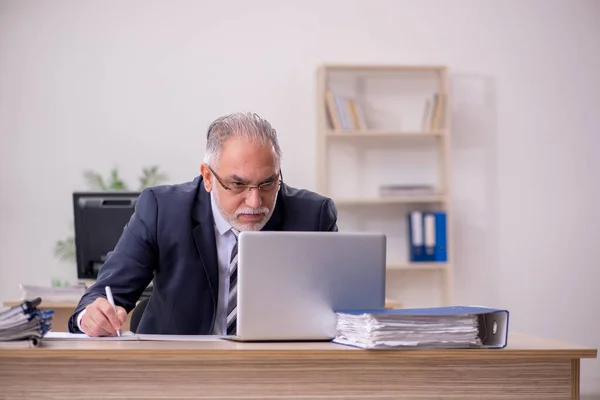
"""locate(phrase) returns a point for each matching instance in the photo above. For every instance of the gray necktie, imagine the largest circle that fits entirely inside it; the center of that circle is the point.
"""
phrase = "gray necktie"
(232, 306)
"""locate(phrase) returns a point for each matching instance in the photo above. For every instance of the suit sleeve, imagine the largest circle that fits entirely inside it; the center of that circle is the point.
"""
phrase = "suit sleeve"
(129, 268)
(328, 218)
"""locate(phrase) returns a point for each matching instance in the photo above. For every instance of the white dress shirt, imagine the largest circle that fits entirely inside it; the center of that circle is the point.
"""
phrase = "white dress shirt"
(225, 240)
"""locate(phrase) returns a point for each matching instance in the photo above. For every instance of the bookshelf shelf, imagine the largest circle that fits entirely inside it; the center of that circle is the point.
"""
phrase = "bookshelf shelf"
(383, 151)
(423, 266)
(382, 134)
(349, 202)
(383, 68)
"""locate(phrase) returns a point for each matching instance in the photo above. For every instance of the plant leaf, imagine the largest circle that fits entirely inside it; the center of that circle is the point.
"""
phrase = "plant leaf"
(152, 177)
(116, 183)
(65, 249)
(94, 180)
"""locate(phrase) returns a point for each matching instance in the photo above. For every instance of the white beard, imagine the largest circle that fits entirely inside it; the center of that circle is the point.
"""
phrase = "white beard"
(255, 226)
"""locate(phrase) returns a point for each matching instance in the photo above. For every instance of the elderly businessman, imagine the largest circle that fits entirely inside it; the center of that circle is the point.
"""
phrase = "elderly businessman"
(183, 236)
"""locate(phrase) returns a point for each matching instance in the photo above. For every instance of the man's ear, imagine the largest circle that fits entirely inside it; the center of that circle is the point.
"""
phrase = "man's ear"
(207, 177)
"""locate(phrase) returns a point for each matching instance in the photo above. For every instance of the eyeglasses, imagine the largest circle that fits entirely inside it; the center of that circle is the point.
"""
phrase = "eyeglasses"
(239, 188)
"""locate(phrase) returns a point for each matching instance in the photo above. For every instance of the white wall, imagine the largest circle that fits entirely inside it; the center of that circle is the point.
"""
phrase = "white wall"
(99, 84)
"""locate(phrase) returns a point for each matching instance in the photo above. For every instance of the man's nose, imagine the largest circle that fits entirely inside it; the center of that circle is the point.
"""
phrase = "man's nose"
(253, 198)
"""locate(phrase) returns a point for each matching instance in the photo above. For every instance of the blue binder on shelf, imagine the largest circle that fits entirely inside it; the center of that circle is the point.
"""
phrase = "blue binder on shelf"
(416, 237)
(428, 236)
(441, 245)
(492, 323)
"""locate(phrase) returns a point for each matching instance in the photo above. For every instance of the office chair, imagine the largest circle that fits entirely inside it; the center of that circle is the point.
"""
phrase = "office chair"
(136, 314)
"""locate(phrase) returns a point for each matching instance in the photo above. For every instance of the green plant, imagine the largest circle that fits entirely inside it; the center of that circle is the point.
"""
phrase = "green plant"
(59, 283)
(151, 177)
(95, 181)
(65, 249)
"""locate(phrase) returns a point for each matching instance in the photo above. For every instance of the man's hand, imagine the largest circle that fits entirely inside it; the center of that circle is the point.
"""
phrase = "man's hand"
(100, 318)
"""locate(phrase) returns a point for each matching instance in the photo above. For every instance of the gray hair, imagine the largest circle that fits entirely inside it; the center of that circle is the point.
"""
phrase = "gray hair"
(239, 125)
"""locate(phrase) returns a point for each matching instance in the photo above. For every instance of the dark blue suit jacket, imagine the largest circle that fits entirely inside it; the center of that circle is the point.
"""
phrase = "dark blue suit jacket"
(170, 239)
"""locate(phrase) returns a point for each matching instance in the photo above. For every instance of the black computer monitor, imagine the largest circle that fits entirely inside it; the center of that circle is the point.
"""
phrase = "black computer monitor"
(99, 221)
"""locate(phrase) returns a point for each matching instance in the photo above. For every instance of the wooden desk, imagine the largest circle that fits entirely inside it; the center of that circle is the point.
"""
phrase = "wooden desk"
(530, 368)
(62, 312)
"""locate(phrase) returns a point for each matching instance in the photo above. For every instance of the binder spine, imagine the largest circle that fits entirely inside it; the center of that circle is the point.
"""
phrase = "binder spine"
(441, 246)
(430, 241)
(416, 236)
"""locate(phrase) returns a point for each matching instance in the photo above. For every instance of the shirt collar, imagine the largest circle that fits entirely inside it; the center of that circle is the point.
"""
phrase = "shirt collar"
(220, 223)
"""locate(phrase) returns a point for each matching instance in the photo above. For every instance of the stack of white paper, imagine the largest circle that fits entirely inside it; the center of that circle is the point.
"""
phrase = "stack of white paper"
(372, 330)
(25, 322)
(50, 294)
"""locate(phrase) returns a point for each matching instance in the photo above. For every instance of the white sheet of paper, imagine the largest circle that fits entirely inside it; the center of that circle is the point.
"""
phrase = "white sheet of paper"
(128, 335)
(180, 338)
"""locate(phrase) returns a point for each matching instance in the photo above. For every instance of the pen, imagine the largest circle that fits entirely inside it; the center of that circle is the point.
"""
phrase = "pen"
(109, 296)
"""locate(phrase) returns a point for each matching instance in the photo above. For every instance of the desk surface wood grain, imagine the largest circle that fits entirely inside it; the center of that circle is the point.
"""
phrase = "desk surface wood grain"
(529, 368)
(519, 346)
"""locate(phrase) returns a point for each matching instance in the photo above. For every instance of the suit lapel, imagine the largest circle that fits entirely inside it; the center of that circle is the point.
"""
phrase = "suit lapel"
(275, 223)
(204, 236)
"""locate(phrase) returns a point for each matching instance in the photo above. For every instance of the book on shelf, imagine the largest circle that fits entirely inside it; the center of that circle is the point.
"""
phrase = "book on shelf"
(345, 113)
(393, 190)
(441, 327)
(427, 236)
(433, 112)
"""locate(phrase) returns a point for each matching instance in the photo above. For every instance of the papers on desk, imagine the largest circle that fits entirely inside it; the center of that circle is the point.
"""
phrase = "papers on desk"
(128, 335)
(50, 293)
(25, 322)
(179, 338)
(445, 327)
(82, 336)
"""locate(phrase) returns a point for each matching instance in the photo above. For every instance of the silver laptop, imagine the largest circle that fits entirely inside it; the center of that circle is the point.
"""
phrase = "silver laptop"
(291, 283)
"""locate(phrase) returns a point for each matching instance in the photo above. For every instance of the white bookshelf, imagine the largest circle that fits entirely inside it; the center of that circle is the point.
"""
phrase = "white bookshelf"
(376, 201)
(387, 140)
(423, 266)
(381, 134)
